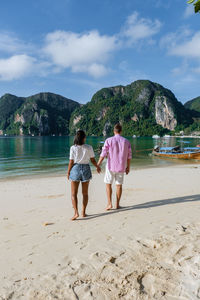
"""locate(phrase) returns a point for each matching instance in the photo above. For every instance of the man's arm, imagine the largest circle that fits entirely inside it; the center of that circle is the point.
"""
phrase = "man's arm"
(104, 152)
(129, 159)
(71, 163)
(128, 166)
(101, 158)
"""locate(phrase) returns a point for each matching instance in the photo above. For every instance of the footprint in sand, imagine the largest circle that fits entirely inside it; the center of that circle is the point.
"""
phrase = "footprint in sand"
(30, 211)
(83, 246)
(52, 196)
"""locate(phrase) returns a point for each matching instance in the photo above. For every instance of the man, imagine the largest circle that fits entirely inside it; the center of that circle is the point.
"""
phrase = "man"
(118, 151)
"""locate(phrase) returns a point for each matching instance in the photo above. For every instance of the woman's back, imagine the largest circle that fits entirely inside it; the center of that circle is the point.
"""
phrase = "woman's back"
(81, 154)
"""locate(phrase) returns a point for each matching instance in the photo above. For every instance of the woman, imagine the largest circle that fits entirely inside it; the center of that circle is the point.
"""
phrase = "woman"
(79, 170)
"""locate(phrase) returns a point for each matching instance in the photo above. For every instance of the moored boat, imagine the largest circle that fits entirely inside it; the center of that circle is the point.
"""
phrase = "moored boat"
(176, 152)
(155, 136)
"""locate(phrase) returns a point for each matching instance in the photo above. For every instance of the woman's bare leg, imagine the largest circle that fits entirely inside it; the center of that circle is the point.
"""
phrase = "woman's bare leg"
(85, 186)
(74, 192)
(109, 196)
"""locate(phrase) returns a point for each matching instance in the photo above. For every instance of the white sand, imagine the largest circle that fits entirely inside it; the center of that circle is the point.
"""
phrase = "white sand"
(150, 249)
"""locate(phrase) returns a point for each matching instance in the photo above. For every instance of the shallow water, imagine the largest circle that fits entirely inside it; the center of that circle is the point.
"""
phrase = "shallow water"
(27, 156)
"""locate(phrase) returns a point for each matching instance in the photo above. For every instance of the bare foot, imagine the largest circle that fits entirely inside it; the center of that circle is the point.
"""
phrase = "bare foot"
(74, 217)
(109, 207)
(118, 206)
(83, 215)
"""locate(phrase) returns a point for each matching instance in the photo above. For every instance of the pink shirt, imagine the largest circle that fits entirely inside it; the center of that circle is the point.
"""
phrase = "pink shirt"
(118, 150)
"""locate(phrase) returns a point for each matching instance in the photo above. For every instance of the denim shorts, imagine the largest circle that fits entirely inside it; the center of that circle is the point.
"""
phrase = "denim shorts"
(80, 172)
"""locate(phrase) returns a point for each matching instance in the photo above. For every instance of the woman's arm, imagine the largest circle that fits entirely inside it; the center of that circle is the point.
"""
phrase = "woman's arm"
(71, 163)
(93, 161)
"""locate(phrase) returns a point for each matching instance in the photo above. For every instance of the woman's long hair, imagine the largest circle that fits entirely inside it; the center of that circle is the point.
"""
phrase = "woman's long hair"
(79, 137)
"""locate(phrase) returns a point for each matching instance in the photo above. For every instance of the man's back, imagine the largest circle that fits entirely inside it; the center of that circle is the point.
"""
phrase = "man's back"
(118, 150)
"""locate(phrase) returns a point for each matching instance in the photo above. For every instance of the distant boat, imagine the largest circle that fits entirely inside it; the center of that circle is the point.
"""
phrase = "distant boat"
(177, 152)
(166, 136)
(134, 136)
(155, 136)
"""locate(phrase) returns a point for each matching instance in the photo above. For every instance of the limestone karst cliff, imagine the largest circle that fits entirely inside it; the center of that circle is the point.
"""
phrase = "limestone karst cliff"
(143, 107)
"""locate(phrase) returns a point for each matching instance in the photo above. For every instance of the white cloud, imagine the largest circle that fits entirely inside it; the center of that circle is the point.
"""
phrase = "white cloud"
(183, 43)
(182, 69)
(186, 45)
(189, 48)
(185, 80)
(189, 11)
(196, 70)
(171, 39)
(80, 52)
(87, 52)
(95, 70)
(15, 67)
(137, 29)
(9, 43)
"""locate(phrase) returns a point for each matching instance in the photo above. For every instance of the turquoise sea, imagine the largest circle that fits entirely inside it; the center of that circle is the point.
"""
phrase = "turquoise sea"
(28, 156)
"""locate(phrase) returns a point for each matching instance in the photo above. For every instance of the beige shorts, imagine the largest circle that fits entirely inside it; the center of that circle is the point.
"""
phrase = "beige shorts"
(111, 176)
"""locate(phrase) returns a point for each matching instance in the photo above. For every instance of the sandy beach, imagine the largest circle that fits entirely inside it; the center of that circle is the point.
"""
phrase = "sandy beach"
(150, 249)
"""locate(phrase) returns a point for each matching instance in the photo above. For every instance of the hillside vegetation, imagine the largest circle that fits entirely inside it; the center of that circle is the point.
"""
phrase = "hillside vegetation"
(143, 107)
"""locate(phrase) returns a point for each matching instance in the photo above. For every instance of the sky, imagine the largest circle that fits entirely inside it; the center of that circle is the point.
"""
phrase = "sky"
(75, 47)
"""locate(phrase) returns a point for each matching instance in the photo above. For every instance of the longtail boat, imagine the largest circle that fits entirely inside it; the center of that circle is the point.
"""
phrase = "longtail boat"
(177, 152)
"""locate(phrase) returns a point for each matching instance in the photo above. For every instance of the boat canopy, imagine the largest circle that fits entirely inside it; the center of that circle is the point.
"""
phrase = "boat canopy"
(166, 148)
(191, 148)
(184, 142)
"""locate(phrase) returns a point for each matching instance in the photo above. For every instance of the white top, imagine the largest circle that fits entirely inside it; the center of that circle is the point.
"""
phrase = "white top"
(81, 154)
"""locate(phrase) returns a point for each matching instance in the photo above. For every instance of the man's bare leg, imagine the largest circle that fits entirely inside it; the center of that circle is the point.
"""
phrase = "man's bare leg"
(109, 196)
(74, 192)
(118, 195)
(85, 186)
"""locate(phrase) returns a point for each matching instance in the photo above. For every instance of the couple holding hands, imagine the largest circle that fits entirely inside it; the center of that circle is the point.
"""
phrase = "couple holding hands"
(117, 149)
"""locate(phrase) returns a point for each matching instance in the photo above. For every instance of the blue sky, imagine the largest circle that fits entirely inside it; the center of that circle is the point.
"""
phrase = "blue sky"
(74, 48)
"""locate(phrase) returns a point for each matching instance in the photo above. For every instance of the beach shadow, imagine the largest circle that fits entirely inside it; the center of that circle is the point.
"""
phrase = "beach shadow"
(150, 204)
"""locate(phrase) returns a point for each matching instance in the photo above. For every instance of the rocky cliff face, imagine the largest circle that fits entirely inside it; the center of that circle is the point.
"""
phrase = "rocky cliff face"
(164, 113)
(41, 114)
(143, 107)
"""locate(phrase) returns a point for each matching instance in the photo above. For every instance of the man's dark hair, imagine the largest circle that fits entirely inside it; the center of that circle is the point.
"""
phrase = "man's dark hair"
(118, 128)
(79, 137)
